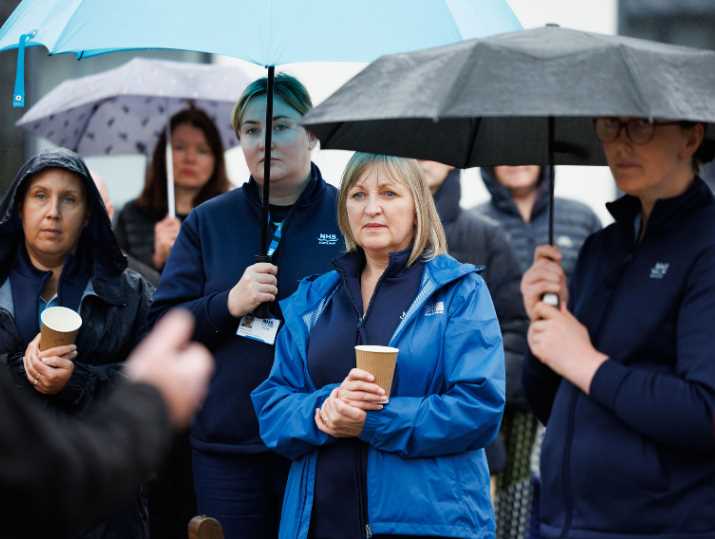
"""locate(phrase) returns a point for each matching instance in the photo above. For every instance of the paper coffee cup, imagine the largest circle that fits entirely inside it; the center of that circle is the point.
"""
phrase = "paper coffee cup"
(59, 326)
(379, 361)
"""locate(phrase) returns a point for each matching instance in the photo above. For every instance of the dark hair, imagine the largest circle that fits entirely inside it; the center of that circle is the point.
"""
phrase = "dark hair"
(706, 151)
(153, 196)
(285, 86)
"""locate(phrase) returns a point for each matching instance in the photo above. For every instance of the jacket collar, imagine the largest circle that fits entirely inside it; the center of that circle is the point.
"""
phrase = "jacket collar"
(352, 263)
(302, 310)
(310, 194)
(665, 211)
(501, 196)
(447, 197)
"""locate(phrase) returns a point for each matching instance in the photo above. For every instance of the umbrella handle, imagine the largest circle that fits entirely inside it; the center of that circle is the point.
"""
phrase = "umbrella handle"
(169, 158)
(551, 298)
(264, 309)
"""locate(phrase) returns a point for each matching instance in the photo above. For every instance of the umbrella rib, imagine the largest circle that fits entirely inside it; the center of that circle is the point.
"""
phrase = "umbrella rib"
(476, 122)
(634, 79)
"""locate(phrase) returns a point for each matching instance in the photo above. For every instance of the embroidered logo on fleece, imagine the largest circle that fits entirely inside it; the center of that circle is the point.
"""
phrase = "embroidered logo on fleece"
(659, 270)
(327, 239)
(434, 308)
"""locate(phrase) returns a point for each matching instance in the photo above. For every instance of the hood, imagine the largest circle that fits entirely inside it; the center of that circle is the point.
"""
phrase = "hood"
(501, 196)
(97, 239)
(447, 197)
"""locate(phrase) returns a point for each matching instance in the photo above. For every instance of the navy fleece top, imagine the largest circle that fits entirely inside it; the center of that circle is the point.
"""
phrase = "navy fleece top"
(339, 503)
(217, 242)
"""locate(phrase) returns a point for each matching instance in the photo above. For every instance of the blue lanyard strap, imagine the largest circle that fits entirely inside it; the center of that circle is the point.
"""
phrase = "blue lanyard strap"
(276, 239)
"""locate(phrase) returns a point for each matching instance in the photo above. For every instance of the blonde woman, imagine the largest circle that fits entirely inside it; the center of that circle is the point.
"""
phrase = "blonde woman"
(412, 464)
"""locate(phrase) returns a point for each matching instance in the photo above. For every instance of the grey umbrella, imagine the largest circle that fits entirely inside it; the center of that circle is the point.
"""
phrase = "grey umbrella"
(124, 110)
(516, 98)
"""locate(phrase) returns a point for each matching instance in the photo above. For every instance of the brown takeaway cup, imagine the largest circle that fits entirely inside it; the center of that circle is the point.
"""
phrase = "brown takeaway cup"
(59, 326)
(379, 361)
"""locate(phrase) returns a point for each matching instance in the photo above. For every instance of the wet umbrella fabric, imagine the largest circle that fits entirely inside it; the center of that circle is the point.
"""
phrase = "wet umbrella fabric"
(271, 32)
(124, 110)
(515, 99)
(488, 101)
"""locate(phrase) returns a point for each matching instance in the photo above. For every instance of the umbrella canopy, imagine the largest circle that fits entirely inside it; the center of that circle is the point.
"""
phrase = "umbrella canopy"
(124, 110)
(517, 98)
(267, 32)
(271, 32)
(490, 101)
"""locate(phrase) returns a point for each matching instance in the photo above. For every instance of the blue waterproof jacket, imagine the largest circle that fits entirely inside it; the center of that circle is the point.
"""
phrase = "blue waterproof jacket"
(426, 469)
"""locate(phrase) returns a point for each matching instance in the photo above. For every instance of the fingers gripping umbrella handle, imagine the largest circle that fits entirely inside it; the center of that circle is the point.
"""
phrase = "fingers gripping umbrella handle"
(264, 309)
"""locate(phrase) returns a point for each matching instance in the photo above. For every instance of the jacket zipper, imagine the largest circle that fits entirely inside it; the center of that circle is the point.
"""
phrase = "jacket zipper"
(362, 451)
(566, 467)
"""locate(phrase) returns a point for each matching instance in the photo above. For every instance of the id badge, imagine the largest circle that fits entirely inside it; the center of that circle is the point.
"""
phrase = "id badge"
(259, 329)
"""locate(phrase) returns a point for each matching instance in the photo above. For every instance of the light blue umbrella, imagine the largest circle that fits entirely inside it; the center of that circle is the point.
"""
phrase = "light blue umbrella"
(266, 32)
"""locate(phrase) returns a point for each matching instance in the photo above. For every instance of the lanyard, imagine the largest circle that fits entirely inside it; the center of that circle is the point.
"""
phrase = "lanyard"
(276, 239)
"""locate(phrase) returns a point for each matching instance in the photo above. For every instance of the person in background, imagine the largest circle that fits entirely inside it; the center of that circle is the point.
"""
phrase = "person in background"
(366, 464)
(60, 474)
(143, 228)
(519, 202)
(146, 233)
(212, 271)
(474, 239)
(149, 273)
(623, 370)
(57, 249)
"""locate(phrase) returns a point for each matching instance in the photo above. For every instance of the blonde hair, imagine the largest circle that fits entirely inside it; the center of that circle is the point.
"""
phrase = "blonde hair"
(429, 240)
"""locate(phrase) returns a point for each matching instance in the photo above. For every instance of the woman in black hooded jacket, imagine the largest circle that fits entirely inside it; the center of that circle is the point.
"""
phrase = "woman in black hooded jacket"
(57, 249)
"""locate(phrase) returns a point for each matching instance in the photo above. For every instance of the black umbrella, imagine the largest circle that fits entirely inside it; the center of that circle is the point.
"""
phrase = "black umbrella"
(514, 99)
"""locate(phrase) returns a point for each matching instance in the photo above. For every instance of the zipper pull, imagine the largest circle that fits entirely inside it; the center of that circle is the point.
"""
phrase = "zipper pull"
(368, 531)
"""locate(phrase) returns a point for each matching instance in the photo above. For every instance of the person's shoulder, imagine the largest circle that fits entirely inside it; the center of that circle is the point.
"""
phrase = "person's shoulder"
(224, 200)
(309, 294)
(574, 207)
(480, 222)
(136, 282)
(228, 205)
(131, 209)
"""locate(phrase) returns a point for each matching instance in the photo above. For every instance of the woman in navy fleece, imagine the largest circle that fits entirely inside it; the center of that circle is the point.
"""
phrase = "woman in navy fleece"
(624, 377)
(212, 272)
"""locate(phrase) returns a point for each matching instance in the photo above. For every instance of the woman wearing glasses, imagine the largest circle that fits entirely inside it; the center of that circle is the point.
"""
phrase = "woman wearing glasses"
(623, 373)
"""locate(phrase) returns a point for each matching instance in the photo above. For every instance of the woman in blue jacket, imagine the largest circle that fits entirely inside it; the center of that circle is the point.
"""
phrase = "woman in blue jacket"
(212, 272)
(363, 464)
(624, 377)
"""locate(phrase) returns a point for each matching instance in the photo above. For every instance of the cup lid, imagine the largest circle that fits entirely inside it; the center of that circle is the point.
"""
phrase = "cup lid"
(61, 319)
(376, 348)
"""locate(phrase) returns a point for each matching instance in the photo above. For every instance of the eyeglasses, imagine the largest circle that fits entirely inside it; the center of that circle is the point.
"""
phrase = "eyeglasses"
(638, 130)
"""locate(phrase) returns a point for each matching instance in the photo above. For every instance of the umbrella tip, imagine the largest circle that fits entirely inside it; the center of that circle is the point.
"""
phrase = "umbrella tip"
(553, 25)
